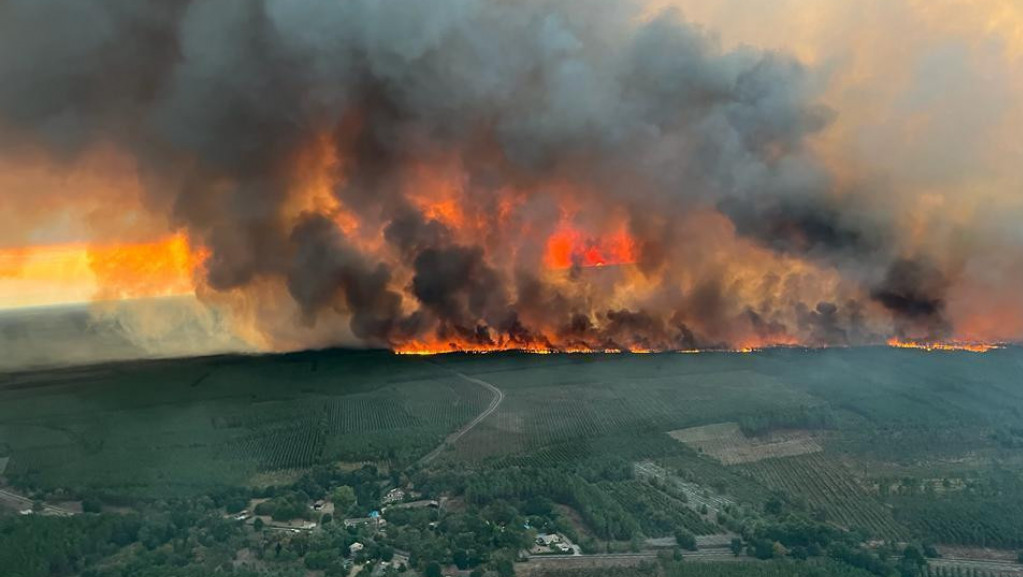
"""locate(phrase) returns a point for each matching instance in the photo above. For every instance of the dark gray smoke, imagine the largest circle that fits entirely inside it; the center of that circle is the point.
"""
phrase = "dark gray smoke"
(913, 290)
(219, 100)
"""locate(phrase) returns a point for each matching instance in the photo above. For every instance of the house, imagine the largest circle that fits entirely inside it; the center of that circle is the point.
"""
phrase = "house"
(318, 505)
(355, 548)
(546, 540)
(395, 495)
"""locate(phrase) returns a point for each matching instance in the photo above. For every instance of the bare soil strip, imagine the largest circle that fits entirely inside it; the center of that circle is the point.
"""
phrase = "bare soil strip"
(726, 443)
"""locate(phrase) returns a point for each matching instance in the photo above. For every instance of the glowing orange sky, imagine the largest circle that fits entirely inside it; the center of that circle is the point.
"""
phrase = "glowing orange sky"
(871, 50)
(76, 272)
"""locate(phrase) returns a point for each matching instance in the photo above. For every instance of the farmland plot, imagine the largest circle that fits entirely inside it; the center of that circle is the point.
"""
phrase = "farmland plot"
(829, 487)
(176, 427)
(726, 443)
(539, 412)
(396, 422)
(292, 447)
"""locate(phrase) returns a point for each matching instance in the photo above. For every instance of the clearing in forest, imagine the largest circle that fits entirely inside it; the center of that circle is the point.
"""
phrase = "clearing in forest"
(726, 443)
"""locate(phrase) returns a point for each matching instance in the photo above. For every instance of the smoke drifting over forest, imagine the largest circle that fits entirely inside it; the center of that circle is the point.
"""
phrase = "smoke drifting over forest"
(571, 175)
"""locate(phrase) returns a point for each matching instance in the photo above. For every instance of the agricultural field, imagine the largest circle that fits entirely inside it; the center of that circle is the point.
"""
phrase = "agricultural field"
(177, 427)
(894, 444)
(727, 443)
(822, 430)
(572, 397)
(829, 490)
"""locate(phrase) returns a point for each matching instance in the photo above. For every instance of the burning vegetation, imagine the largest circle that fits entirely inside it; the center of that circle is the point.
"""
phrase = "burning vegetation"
(944, 346)
(477, 176)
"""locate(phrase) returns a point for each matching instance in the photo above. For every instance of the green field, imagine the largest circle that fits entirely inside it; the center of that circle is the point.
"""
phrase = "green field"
(178, 427)
(916, 445)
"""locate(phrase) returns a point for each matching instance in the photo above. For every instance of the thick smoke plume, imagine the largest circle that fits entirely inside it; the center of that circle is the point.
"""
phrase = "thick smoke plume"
(407, 173)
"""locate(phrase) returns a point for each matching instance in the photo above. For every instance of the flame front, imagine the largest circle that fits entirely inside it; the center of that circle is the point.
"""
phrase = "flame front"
(544, 177)
(971, 347)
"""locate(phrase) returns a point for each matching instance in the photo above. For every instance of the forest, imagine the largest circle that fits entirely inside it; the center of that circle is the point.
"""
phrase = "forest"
(288, 464)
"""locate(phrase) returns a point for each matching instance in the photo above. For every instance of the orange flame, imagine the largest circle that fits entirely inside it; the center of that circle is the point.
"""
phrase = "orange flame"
(568, 247)
(430, 349)
(435, 348)
(943, 346)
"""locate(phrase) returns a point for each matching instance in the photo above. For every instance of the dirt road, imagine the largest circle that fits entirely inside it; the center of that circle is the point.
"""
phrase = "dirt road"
(453, 437)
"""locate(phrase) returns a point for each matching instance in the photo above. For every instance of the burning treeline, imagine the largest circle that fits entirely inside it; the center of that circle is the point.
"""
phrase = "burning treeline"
(475, 174)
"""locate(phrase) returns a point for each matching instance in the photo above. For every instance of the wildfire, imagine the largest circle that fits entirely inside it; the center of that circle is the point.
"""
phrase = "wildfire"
(943, 346)
(568, 247)
(77, 272)
(430, 349)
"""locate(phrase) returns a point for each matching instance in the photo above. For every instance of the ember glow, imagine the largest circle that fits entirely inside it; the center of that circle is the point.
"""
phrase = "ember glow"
(569, 247)
(536, 176)
(944, 346)
(418, 349)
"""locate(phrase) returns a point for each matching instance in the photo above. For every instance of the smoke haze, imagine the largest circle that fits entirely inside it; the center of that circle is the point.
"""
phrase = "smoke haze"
(572, 175)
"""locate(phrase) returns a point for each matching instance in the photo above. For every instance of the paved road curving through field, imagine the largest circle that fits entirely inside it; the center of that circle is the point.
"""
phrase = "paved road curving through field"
(453, 437)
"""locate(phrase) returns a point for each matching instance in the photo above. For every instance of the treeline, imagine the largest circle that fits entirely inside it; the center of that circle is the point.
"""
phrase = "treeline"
(186, 537)
(791, 537)
(576, 485)
(813, 418)
(490, 536)
(657, 513)
(366, 483)
(37, 546)
(286, 506)
(1008, 437)
(42, 546)
(985, 511)
(328, 550)
(965, 519)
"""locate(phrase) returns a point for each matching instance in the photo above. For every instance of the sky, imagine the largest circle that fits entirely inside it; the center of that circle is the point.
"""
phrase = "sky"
(411, 175)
